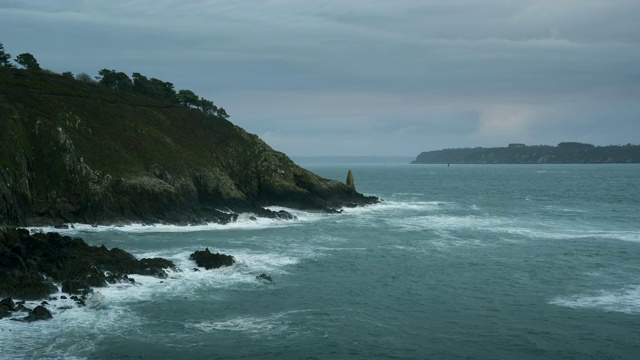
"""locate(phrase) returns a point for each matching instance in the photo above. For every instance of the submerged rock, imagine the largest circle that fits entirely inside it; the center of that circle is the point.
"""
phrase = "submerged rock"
(209, 260)
(264, 277)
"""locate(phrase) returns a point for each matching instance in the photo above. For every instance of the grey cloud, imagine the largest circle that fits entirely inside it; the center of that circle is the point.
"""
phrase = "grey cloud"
(406, 75)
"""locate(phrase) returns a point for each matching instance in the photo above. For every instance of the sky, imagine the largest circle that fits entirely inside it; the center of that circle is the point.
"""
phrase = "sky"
(365, 77)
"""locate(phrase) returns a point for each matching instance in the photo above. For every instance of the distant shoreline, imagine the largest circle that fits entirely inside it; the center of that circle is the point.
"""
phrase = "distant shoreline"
(564, 153)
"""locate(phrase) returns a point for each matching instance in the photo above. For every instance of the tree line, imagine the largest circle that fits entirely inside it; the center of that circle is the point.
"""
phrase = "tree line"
(117, 80)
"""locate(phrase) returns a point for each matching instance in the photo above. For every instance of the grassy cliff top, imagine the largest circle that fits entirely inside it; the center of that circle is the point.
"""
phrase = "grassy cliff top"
(71, 145)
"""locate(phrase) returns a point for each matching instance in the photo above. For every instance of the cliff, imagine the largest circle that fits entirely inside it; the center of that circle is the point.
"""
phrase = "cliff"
(81, 152)
(564, 153)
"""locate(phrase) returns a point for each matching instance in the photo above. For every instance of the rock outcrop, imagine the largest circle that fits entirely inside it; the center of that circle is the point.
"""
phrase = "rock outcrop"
(209, 260)
(79, 152)
(350, 183)
(30, 265)
(39, 313)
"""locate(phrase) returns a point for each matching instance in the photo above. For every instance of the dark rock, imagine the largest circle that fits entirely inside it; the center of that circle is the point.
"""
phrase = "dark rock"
(53, 298)
(63, 297)
(39, 313)
(25, 258)
(284, 215)
(66, 307)
(44, 303)
(74, 286)
(264, 277)
(196, 269)
(209, 260)
(22, 308)
(4, 313)
(7, 304)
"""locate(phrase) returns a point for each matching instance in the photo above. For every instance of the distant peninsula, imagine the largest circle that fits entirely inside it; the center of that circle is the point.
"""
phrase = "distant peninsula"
(564, 153)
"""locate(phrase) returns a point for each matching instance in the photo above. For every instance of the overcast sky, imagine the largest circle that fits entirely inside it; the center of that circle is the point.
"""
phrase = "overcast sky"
(365, 77)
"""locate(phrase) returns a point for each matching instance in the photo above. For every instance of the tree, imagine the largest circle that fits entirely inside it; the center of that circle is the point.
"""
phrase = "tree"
(67, 75)
(85, 78)
(27, 61)
(222, 113)
(115, 80)
(4, 57)
(153, 88)
(187, 98)
(207, 106)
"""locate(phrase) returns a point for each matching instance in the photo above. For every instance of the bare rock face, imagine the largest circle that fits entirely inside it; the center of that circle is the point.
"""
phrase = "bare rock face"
(209, 260)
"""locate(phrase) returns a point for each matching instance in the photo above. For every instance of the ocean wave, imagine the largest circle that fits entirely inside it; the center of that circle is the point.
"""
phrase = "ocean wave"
(74, 322)
(246, 221)
(626, 300)
(501, 225)
(251, 325)
(388, 205)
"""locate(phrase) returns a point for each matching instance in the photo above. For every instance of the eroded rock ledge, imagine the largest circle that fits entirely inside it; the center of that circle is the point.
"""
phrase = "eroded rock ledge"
(31, 265)
(35, 266)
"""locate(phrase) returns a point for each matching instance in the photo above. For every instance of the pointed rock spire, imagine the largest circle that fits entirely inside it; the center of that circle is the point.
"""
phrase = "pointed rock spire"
(350, 182)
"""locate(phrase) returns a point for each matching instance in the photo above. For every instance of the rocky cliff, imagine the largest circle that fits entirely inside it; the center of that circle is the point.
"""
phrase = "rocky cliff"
(80, 152)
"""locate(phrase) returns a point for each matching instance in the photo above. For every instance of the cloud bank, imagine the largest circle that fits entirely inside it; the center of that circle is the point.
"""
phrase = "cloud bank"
(366, 77)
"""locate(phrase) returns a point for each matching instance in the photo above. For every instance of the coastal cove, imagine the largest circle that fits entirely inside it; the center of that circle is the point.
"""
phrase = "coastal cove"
(469, 261)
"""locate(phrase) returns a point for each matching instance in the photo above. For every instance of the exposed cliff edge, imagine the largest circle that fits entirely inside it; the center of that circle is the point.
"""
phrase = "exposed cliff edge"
(80, 152)
(564, 153)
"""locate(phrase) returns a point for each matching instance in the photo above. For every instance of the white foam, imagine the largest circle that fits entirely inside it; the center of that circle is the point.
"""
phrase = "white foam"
(445, 222)
(268, 325)
(246, 221)
(567, 234)
(626, 300)
(82, 327)
(386, 206)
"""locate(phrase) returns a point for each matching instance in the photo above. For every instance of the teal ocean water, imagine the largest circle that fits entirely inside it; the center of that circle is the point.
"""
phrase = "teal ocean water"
(465, 262)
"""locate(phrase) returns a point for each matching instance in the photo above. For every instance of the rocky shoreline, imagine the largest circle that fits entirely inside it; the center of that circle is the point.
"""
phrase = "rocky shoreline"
(33, 267)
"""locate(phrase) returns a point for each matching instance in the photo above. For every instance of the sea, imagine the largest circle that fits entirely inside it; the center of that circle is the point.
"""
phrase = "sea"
(458, 262)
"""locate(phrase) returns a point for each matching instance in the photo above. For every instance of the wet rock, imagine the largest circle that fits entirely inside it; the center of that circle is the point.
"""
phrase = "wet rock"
(264, 277)
(44, 303)
(7, 304)
(74, 286)
(4, 313)
(39, 313)
(23, 308)
(284, 215)
(196, 269)
(30, 263)
(209, 260)
(63, 297)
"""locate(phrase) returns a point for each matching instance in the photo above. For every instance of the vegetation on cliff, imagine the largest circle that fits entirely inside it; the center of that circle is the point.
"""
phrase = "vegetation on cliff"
(79, 151)
(564, 153)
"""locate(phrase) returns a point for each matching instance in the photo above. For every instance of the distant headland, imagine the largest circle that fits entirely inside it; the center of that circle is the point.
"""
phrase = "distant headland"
(564, 153)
